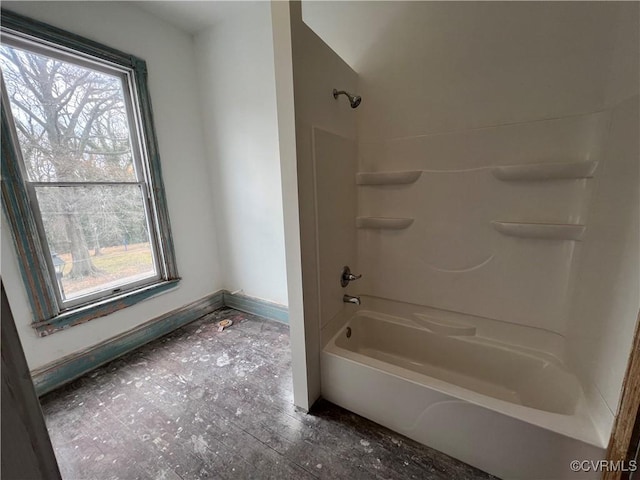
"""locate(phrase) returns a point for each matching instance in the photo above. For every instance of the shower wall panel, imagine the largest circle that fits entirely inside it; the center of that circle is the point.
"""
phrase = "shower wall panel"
(606, 296)
(487, 242)
(334, 158)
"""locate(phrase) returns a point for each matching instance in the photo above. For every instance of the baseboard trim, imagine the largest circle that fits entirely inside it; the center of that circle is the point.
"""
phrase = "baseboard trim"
(70, 367)
(257, 306)
(66, 369)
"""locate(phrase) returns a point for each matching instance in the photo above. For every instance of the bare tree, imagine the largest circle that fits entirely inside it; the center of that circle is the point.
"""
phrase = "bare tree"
(72, 125)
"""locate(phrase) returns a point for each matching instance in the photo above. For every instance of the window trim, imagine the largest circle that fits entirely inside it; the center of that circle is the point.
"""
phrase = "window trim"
(139, 162)
(48, 316)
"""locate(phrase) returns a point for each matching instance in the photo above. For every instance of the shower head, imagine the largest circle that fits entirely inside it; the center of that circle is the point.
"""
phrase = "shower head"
(354, 100)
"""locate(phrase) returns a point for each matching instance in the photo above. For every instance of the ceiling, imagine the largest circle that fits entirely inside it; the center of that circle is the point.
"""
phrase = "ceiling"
(193, 16)
(349, 27)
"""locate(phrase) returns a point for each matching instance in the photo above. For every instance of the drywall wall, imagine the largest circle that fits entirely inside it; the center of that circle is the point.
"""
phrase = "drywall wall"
(237, 90)
(606, 296)
(304, 382)
(429, 67)
(624, 70)
(171, 65)
(317, 70)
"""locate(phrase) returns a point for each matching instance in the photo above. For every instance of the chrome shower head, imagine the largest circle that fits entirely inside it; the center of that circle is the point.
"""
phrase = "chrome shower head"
(354, 100)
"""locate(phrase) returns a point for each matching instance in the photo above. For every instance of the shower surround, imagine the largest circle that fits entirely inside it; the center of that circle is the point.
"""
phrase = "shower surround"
(489, 198)
(467, 244)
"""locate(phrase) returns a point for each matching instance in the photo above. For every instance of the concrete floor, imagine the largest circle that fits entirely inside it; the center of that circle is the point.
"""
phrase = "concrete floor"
(200, 404)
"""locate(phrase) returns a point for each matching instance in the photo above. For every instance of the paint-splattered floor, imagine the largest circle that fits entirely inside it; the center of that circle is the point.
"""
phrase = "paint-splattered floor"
(199, 404)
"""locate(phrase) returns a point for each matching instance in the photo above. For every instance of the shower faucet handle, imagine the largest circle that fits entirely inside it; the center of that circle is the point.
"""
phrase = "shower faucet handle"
(347, 276)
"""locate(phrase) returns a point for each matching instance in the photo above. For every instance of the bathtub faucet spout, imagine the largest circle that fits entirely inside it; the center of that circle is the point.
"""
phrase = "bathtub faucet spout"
(351, 299)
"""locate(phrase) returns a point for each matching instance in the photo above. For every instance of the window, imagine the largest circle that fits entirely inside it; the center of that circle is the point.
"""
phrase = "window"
(81, 177)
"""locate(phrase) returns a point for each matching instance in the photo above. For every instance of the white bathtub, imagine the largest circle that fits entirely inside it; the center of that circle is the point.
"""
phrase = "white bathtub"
(505, 410)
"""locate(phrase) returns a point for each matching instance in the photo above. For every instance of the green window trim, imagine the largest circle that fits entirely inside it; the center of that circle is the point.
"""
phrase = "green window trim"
(48, 315)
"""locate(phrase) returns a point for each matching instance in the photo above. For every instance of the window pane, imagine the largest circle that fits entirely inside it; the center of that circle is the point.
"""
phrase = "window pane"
(71, 121)
(98, 236)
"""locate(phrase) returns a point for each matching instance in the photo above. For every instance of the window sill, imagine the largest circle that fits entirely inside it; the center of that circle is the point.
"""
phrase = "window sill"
(100, 309)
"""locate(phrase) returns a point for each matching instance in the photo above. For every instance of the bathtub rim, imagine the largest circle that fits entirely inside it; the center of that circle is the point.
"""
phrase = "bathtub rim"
(477, 339)
(578, 426)
(526, 338)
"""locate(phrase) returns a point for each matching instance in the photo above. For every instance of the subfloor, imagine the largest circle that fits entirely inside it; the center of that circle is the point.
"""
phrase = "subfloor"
(199, 404)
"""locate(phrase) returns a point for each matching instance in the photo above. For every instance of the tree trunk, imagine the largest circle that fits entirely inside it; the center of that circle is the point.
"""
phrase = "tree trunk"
(82, 264)
(96, 242)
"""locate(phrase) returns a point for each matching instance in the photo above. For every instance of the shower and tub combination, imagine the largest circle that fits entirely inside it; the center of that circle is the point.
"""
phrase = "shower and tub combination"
(458, 333)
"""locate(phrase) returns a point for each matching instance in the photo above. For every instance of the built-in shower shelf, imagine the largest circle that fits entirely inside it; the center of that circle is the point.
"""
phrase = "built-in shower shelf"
(386, 223)
(545, 171)
(547, 231)
(387, 178)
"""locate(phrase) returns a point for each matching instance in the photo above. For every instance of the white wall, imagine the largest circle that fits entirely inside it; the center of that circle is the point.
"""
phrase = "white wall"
(429, 67)
(171, 64)
(624, 71)
(283, 62)
(317, 70)
(236, 78)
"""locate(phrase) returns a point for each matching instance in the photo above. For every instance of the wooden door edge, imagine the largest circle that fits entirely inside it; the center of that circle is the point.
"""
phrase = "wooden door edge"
(626, 416)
